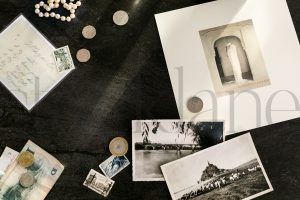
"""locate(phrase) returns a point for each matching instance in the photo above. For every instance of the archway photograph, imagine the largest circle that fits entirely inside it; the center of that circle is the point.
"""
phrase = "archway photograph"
(234, 58)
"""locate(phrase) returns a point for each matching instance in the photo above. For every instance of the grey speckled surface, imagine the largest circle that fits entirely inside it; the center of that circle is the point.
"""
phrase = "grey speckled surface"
(126, 79)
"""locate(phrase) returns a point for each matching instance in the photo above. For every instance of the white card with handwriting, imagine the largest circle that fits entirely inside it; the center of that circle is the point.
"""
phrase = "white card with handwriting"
(27, 65)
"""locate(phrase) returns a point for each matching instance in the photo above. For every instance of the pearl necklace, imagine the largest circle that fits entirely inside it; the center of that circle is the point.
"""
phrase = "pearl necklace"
(51, 4)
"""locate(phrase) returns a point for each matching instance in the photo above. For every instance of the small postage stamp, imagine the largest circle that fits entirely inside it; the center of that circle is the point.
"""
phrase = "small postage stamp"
(113, 165)
(98, 183)
(63, 59)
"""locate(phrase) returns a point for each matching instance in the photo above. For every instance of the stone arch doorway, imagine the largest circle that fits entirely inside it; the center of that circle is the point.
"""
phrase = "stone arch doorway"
(224, 63)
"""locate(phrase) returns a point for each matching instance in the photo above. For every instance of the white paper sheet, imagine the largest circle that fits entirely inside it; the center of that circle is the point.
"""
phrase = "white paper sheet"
(274, 101)
(27, 66)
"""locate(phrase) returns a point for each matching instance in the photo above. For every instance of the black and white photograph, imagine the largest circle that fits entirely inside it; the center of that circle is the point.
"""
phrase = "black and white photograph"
(157, 142)
(113, 165)
(228, 171)
(98, 183)
(234, 57)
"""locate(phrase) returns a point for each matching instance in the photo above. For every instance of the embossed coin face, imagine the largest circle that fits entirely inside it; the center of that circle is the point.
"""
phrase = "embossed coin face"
(25, 159)
(27, 179)
(89, 32)
(118, 146)
(195, 104)
(120, 17)
(83, 55)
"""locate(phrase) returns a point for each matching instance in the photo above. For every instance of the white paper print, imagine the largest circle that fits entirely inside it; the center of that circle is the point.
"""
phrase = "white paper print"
(27, 66)
(240, 57)
(231, 170)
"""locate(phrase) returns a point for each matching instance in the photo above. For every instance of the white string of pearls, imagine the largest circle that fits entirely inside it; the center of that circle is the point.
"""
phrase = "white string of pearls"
(51, 4)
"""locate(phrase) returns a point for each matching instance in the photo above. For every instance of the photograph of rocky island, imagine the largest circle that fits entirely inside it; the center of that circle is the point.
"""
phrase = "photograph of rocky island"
(236, 183)
(229, 171)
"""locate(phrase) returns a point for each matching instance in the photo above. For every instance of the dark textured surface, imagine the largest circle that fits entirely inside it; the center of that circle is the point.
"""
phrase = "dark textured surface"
(126, 79)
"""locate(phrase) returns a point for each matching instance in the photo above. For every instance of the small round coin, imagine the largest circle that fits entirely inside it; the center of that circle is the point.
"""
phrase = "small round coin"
(195, 104)
(89, 32)
(27, 179)
(25, 159)
(83, 55)
(120, 18)
(118, 146)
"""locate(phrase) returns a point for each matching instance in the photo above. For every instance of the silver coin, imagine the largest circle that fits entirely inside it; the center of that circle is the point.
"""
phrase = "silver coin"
(89, 32)
(27, 179)
(195, 104)
(83, 55)
(120, 17)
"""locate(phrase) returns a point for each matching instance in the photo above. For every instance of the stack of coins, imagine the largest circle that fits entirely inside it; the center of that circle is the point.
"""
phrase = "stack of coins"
(88, 32)
(26, 159)
(118, 146)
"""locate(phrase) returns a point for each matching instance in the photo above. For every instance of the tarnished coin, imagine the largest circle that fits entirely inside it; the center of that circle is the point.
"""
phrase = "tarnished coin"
(118, 146)
(195, 104)
(89, 32)
(27, 179)
(83, 55)
(25, 159)
(120, 17)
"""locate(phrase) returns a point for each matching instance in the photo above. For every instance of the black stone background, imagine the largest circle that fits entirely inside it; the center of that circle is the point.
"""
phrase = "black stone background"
(126, 79)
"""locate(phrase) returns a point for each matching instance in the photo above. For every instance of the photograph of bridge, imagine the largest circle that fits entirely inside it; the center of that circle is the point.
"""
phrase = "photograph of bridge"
(229, 171)
(157, 142)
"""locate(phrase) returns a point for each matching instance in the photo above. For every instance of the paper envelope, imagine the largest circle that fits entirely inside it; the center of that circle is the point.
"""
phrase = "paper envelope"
(241, 58)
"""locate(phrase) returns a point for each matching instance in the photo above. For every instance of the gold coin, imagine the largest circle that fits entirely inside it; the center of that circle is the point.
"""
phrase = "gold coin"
(83, 55)
(25, 159)
(118, 146)
(89, 32)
